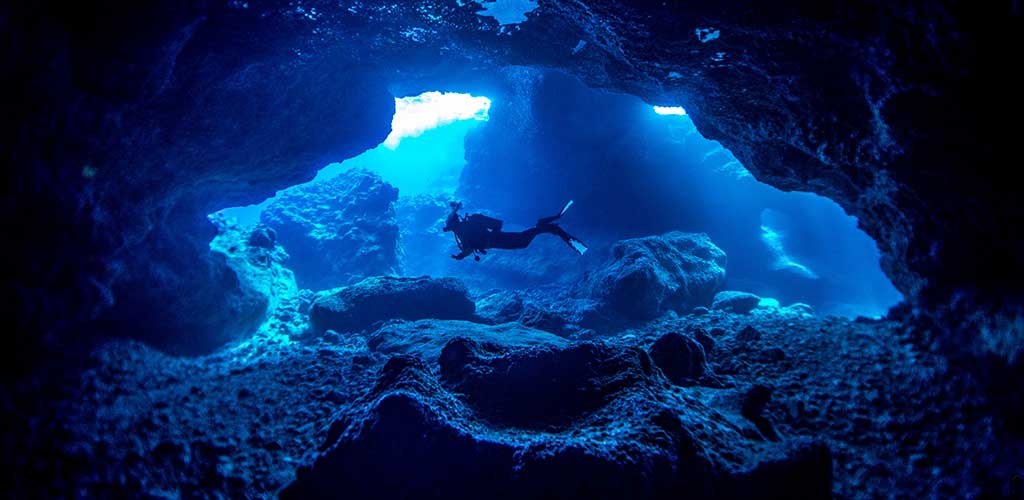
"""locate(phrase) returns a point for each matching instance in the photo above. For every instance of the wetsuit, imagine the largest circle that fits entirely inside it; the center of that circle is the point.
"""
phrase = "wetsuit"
(478, 233)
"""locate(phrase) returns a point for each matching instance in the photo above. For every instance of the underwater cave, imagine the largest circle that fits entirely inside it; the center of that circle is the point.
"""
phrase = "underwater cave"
(313, 249)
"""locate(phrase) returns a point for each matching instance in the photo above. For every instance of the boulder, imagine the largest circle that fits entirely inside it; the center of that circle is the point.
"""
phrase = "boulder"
(800, 308)
(737, 302)
(337, 231)
(360, 306)
(681, 358)
(647, 276)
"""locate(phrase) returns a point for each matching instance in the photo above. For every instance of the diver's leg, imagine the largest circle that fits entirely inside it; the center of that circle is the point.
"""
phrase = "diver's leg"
(548, 220)
(514, 240)
(569, 239)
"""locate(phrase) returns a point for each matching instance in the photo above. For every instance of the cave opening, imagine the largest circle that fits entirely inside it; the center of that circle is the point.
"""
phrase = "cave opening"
(649, 172)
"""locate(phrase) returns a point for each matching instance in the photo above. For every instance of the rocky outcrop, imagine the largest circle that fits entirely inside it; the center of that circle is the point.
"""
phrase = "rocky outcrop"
(583, 420)
(737, 302)
(337, 231)
(252, 278)
(358, 307)
(158, 116)
(648, 276)
(259, 263)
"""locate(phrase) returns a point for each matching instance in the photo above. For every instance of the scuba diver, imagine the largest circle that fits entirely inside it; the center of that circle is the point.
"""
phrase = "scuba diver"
(477, 233)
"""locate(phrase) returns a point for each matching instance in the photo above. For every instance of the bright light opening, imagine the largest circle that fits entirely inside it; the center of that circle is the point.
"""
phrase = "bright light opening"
(417, 114)
(670, 110)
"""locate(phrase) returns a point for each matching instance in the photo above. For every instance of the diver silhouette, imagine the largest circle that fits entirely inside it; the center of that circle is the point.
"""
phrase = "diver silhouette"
(478, 233)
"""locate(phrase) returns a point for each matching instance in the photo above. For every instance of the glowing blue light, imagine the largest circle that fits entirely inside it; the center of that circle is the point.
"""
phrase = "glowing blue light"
(507, 11)
(417, 114)
(670, 110)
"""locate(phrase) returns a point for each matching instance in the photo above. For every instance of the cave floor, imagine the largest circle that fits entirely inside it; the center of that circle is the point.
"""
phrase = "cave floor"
(239, 422)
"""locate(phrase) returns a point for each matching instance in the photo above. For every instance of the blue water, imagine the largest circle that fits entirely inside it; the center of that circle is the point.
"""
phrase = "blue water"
(787, 246)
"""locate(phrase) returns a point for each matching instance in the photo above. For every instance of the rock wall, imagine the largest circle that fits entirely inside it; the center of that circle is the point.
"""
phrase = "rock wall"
(337, 231)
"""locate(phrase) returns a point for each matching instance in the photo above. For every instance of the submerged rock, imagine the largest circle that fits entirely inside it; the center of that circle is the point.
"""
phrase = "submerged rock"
(737, 302)
(360, 306)
(681, 358)
(754, 402)
(337, 231)
(748, 334)
(265, 287)
(800, 308)
(538, 308)
(648, 276)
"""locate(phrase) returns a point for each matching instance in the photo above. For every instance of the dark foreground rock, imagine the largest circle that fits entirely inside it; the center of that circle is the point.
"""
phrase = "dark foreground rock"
(681, 358)
(337, 231)
(588, 420)
(648, 276)
(358, 307)
(511, 411)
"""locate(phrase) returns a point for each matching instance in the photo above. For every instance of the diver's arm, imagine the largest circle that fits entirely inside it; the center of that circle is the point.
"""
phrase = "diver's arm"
(462, 255)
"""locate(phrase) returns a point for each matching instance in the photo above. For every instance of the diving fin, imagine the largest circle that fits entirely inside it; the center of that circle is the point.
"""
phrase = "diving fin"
(553, 218)
(577, 245)
(565, 209)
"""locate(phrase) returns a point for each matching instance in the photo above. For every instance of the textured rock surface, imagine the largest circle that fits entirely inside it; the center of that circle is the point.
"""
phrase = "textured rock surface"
(680, 358)
(239, 423)
(737, 302)
(495, 436)
(357, 307)
(648, 276)
(542, 308)
(337, 231)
